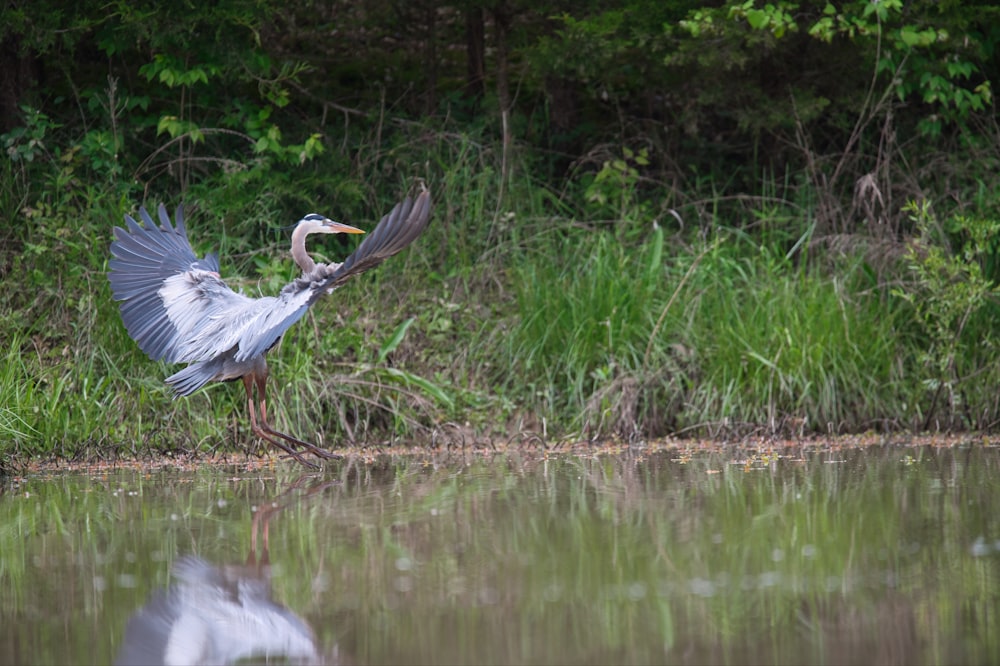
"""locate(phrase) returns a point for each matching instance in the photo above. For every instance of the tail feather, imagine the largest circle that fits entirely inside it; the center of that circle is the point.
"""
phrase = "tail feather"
(193, 377)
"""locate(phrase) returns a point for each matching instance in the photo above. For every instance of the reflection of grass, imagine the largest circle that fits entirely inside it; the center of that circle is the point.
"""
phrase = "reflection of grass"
(519, 559)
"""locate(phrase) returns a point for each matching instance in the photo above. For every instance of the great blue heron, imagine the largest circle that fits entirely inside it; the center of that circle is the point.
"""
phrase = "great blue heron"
(216, 615)
(224, 614)
(178, 309)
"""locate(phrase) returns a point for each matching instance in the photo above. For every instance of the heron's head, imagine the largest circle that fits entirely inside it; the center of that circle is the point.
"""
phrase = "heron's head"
(317, 224)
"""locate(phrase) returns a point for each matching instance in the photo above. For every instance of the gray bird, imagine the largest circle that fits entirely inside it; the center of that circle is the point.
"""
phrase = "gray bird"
(226, 614)
(179, 310)
(216, 615)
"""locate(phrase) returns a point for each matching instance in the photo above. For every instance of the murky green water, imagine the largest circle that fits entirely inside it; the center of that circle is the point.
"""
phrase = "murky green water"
(888, 556)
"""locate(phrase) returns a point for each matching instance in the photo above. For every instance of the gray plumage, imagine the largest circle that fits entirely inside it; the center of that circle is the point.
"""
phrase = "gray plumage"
(178, 309)
(216, 615)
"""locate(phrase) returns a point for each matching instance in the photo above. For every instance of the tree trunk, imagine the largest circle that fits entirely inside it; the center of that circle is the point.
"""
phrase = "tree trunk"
(475, 54)
(15, 79)
(430, 58)
(501, 22)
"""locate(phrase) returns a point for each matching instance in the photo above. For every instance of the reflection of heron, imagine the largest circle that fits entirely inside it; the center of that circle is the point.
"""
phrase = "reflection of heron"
(179, 310)
(215, 615)
(221, 614)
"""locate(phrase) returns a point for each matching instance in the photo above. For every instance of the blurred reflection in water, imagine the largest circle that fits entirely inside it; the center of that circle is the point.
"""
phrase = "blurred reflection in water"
(222, 614)
(827, 555)
(216, 615)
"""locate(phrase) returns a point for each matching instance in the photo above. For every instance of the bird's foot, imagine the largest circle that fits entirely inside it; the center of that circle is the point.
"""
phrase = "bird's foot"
(282, 441)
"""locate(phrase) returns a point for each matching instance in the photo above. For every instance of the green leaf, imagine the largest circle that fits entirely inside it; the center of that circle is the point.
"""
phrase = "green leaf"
(198, 74)
(909, 36)
(393, 342)
(757, 18)
(167, 124)
(428, 387)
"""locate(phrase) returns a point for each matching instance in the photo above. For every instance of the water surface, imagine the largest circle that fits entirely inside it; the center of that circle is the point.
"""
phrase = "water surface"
(878, 555)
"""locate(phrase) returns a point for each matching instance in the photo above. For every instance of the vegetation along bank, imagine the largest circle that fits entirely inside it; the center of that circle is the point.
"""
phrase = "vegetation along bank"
(651, 218)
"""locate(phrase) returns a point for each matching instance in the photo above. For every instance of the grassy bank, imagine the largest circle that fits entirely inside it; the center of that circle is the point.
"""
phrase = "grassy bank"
(521, 312)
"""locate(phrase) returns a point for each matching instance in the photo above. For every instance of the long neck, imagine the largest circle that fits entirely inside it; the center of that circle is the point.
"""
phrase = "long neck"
(299, 253)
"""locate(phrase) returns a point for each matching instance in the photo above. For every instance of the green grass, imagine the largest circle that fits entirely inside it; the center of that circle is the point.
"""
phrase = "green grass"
(777, 344)
(512, 309)
(18, 390)
(711, 340)
(586, 307)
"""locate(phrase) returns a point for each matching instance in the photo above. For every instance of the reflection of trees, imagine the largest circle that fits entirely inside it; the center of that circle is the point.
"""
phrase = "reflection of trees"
(747, 555)
(743, 556)
(223, 614)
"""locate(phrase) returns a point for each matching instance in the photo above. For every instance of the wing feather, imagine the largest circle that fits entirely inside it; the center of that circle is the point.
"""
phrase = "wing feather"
(393, 233)
(178, 309)
(146, 259)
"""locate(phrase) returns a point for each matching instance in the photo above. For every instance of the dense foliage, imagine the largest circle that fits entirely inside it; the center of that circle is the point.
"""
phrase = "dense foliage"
(725, 218)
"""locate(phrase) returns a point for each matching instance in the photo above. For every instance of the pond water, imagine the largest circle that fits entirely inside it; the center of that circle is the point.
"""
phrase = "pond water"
(875, 555)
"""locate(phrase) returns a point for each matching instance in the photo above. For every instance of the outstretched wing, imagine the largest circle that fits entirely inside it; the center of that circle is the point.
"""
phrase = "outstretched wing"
(165, 293)
(394, 232)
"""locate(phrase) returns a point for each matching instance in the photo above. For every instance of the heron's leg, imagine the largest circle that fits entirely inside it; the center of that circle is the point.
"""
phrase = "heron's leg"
(265, 555)
(254, 528)
(261, 516)
(264, 432)
(261, 380)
